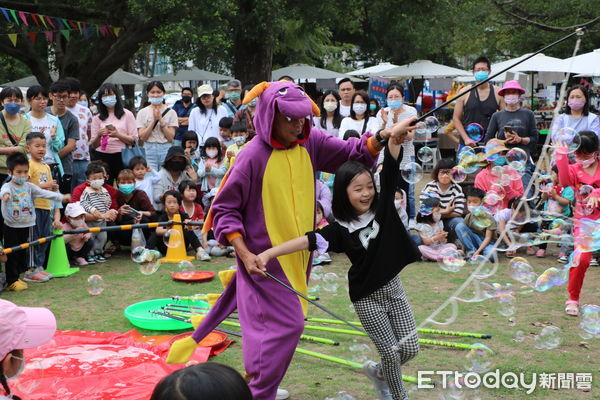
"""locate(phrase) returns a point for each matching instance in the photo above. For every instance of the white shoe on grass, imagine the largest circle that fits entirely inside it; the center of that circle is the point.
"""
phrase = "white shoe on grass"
(282, 394)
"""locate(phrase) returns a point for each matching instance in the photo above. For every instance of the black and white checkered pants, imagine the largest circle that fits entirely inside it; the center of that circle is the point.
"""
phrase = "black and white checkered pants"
(388, 319)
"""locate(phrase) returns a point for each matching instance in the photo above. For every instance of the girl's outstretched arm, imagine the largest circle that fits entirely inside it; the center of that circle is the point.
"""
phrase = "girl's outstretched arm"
(289, 247)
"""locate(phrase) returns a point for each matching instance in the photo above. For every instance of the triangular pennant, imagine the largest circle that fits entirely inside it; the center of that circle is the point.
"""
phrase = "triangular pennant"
(13, 38)
(65, 23)
(79, 26)
(49, 35)
(97, 30)
(103, 30)
(86, 34)
(32, 36)
(50, 21)
(66, 33)
(34, 17)
(23, 18)
(14, 15)
(41, 17)
(117, 31)
(5, 12)
(73, 24)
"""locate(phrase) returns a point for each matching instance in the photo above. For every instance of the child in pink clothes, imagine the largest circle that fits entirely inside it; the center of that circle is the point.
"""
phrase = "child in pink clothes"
(431, 231)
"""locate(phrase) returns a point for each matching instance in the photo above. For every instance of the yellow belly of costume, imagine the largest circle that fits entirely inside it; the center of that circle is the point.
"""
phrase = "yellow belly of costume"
(289, 204)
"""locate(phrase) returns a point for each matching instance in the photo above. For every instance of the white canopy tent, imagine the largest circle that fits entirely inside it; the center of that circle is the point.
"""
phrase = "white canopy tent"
(303, 71)
(193, 74)
(375, 70)
(587, 64)
(119, 77)
(423, 69)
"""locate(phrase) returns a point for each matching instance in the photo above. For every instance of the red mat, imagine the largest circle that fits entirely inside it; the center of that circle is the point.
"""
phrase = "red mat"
(102, 365)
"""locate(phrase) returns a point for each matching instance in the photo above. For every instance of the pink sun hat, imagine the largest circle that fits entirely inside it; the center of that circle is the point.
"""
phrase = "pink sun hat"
(24, 327)
(511, 85)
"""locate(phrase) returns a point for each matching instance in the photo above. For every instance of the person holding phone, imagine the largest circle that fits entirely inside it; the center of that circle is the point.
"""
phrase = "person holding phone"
(516, 125)
(134, 207)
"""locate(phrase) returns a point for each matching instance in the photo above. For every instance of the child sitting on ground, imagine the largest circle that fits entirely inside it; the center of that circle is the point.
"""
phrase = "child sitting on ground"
(511, 224)
(476, 237)
(171, 202)
(431, 230)
(78, 245)
(19, 216)
(189, 206)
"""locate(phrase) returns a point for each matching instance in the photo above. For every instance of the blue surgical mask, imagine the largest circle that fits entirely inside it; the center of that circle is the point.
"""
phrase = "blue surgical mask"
(109, 101)
(12, 108)
(395, 104)
(500, 161)
(126, 188)
(481, 76)
(20, 180)
(235, 96)
(84, 103)
(156, 100)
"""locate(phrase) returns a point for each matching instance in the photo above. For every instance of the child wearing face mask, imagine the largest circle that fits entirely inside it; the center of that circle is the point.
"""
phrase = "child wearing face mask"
(431, 230)
(400, 204)
(211, 167)
(20, 328)
(78, 245)
(239, 134)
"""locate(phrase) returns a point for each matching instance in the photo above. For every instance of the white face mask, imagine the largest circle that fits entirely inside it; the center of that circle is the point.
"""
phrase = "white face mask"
(397, 204)
(20, 371)
(587, 163)
(330, 106)
(212, 153)
(437, 217)
(511, 99)
(471, 208)
(77, 222)
(359, 108)
(97, 183)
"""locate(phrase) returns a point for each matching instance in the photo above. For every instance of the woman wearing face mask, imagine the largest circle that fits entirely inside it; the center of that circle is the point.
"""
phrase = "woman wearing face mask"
(175, 170)
(112, 128)
(204, 119)
(156, 125)
(374, 108)
(20, 328)
(246, 113)
(211, 167)
(330, 119)
(397, 111)
(515, 125)
(18, 127)
(359, 117)
(577, 113)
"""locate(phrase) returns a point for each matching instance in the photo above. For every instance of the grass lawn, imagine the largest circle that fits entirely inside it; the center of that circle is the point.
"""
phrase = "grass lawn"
(427, 287)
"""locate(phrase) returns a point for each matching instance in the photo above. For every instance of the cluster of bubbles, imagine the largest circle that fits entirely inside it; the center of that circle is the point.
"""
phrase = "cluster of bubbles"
(331, 282)
(341, 395)
(315, 279)
(479, 359)
(146, 259)
(427, 127)
(590, 322)
(565, 140)
(95, 285)
(359, 352)
(504, 293)
(523, 272)
(549, 338)
(452, 260)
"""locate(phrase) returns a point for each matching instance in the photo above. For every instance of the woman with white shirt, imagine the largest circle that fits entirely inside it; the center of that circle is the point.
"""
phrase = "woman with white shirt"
(577, 113)
(395, 112)
(331, 118)
(204, 119)
(359, 117)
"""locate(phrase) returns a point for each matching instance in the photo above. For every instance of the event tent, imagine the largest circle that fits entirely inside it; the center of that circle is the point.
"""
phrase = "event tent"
(119, 77)
(423, 69)
(375, 70)
(193, 74)
(587, 64)
(303, 71)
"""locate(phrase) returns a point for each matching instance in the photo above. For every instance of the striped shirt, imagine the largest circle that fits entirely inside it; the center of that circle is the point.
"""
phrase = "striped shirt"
(453, 192)
(92, 200)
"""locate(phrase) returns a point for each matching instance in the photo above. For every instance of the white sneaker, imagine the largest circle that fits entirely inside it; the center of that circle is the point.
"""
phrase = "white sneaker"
(202, 255)
(412, 224)
(282, 394)
(594, 262)
(325, 258)
(373, 372)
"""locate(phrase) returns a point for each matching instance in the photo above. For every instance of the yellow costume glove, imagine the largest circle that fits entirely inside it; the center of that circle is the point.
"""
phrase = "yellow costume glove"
(226, 277)
(181, 350)
(197, 320)
(212, 298)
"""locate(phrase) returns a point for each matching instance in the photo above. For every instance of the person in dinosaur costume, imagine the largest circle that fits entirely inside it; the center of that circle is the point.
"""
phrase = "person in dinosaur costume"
(267, 198)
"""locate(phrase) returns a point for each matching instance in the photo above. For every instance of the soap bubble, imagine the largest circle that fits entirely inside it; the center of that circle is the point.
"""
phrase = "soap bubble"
(458, 175)
(95, 285)
(421, 129)
(351, 309)
(492, 200)
(497, 171)
(137, 254)
(425, 154)
(475, 132)
(330, 282)
(519, 336)
(479, 359)
(506, 305)
(590, 319)
(549, 338)
(432, 124)
(172, 238)
(516, 155)
(359, 352)
(482, 217)
(567, 136)
(452, 260)
(545, 183)
(185, 266)
(498, 189)
(412, 172)
(341, 395)
(551, 277)
(492, 152)
(522, 272)
(148, 268)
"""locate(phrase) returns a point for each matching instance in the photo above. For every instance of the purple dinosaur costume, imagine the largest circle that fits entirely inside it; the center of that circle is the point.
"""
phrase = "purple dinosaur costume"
(267, 199)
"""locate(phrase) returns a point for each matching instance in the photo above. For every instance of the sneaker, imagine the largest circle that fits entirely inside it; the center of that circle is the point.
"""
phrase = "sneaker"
(530, 251)
(17, 286)
(43, 272)
(202, 255)
(317, 260)
(594, 262)
(562, 258)
(80, 261)
(282, 394)
(34, 276)
(511, 253)
(325, 258)
(540, 253)
(99, 258)
(412, 224)
(90, 260)
(373, 372)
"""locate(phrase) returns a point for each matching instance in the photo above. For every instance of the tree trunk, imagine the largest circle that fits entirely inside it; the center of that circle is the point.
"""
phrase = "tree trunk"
(253, 63)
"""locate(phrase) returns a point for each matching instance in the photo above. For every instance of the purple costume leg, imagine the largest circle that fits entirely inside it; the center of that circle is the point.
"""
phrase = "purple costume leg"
(224, 306)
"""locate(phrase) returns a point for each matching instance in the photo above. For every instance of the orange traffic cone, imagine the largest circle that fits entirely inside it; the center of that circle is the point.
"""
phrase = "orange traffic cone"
(176, 251)
(58, 261)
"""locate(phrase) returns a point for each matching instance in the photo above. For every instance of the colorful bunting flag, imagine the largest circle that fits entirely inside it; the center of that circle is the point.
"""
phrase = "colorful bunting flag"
(14, 15)
(23, 18)
(5, 12)
(13, 38)
(32, 36)
(66, 33)
(43, 20)
(49, 35)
